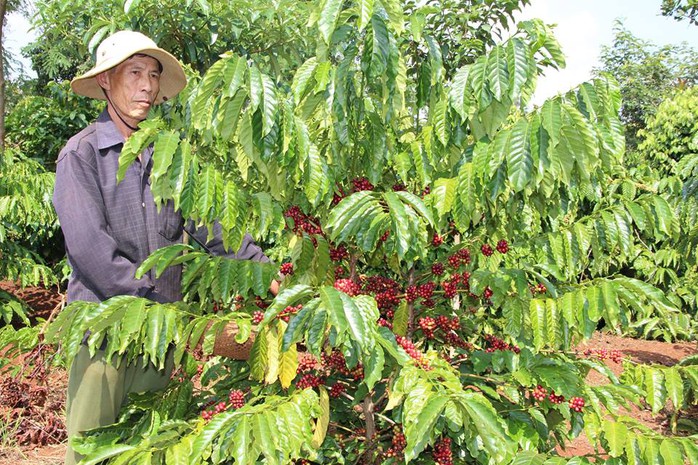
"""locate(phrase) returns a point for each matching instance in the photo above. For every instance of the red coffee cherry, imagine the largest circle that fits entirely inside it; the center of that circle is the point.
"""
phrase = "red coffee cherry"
(486, 250)
(286, 269)
(502, 246)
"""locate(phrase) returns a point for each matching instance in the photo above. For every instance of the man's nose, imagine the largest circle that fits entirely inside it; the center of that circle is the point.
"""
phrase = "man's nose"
(147, 84)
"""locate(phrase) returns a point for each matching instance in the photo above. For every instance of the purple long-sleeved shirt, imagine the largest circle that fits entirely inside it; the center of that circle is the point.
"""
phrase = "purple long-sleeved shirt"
(110, 228)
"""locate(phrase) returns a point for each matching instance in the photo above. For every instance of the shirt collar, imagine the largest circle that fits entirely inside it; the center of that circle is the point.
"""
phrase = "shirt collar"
(107, 133)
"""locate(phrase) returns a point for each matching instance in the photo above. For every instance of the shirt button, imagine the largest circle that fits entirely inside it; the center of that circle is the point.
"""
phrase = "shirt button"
(143, 205)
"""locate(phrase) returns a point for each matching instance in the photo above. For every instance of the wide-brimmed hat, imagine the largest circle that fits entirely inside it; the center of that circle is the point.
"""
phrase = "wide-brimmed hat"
(118, 47)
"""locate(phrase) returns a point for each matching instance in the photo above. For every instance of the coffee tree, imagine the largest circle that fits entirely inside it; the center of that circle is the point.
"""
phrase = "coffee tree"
(442, 248)
(25, 227)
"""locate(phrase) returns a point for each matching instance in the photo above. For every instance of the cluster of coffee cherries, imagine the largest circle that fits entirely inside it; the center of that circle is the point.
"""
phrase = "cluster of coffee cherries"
(338, 197)
(308, 367)
(286, 269)
(286, 313)
(437, 269)
(236, 400)
(362, 184)
(538, 289)
(501, 247)
(429, 325)
(398, 444)
(386, 291)
(338, 253)
(302, 222)
(336, 363)
(460, 258)
(313, 372)
(437, 240)
(423, 291)
(413, 352)
(444, 327)
(257, 317)
(388, 294)
(348, 286)
(540, 393)
(337, 390)
(208, 414)
(307, 362)
(577, 404)
(455, 282)
(442, 452)
(494, 344)
(616, 356)
(309, 380)
(261, 303)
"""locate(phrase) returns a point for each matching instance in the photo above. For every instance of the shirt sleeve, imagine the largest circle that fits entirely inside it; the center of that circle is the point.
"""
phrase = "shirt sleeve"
(92, 252)
(248, 250)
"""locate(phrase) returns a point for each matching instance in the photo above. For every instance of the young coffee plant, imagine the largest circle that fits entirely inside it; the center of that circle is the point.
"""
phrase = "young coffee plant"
(27, 229)
(442, 247)
(25, 223)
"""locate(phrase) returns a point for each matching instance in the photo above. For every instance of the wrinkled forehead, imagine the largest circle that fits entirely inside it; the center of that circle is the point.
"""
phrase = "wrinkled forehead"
(143, 58)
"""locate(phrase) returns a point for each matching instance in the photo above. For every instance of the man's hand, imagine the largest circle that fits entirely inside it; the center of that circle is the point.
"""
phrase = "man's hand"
(274, 288)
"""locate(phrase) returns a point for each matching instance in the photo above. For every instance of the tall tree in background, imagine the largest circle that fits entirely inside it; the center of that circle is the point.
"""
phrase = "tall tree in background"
(3, 9)
(647, 75)
(6, 6)
(271, 32)
(669, 139)
(681, 9)
(274, 34)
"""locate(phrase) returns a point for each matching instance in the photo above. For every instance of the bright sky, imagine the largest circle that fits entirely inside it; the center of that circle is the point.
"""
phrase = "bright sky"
(16, 35)
(583, 26)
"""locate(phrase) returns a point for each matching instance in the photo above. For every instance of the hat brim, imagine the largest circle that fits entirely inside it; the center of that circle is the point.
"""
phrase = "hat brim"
(172, 78)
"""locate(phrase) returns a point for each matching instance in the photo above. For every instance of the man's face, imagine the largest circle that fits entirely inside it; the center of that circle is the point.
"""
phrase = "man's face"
(133, 86)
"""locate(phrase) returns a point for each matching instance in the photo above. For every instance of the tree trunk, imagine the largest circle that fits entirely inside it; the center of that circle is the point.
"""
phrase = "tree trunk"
(3, 8)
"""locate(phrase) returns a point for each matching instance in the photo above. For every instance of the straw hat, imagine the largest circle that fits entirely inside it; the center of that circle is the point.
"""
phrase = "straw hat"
(117, 48)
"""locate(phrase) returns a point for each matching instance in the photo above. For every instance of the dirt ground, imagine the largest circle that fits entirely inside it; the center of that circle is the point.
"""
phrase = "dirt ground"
(640, 351)
(44, 302)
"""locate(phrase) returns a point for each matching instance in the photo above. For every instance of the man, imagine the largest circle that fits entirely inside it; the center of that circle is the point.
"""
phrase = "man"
(111, 228)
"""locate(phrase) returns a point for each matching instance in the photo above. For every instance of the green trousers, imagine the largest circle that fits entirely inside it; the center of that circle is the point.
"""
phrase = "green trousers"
(97, 391)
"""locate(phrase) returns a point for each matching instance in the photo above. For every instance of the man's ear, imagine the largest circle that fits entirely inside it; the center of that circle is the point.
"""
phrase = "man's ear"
(103, 80)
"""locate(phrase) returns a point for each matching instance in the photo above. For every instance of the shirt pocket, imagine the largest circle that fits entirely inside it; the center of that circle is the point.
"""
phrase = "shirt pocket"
(170, 223)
